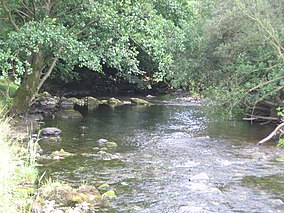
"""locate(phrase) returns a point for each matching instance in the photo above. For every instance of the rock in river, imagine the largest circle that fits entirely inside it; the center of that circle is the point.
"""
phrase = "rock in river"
(102, 141)
(139, 101)
(50, 131)
(115, 101)
(67, 114)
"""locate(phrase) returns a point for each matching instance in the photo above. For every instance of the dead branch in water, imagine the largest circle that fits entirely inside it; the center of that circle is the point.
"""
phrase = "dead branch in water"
(271, 134)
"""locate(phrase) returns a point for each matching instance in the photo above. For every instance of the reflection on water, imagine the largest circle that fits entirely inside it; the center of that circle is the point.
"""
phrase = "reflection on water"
(161, 148)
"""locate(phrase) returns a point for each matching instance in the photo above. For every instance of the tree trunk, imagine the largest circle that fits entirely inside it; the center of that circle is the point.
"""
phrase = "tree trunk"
(29, 86)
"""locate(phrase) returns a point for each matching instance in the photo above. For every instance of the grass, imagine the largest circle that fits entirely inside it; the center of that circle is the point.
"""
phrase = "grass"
(17, 174)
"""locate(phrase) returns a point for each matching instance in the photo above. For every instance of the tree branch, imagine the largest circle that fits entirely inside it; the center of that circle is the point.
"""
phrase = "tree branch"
(271, 135)
(50, 69)
(8, 12)
(265, 83)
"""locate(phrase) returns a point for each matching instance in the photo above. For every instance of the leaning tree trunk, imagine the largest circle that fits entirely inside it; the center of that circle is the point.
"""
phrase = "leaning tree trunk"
(29, 86)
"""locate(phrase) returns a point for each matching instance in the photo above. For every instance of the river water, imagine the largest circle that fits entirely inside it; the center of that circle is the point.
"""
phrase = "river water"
(171, 158)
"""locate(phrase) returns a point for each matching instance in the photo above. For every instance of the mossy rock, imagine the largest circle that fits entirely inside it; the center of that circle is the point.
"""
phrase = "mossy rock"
(104, 186)
(96, 148)
(109, 194)
(59, 192)
(65, 103)
(89, 194)
(115, 101)
(111, 144)
(103, 149)
(280, 159)
(92, 102)
(56, 155)
(54, 139)
(139, 101)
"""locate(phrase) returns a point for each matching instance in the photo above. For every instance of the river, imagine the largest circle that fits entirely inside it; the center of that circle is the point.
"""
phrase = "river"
(171, 158)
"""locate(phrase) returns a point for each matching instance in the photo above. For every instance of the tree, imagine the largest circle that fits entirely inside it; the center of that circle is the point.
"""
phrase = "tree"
(243, 60)
(45, 35)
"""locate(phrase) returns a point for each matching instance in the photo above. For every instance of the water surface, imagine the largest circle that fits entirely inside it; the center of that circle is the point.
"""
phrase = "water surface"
(161, 149)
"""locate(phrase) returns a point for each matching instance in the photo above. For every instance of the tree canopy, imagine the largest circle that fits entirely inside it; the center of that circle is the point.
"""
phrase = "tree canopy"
(230, 51)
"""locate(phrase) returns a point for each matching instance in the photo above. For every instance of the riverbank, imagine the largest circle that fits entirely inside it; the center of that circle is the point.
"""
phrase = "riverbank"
(18, 173)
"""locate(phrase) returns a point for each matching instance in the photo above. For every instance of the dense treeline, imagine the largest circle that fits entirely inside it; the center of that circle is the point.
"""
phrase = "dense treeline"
(231, 51)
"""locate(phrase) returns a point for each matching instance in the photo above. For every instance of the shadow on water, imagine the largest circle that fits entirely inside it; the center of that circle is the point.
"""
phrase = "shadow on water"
(160, 149)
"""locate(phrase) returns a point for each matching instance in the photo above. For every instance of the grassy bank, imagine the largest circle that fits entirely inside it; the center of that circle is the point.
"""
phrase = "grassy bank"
(17, 173)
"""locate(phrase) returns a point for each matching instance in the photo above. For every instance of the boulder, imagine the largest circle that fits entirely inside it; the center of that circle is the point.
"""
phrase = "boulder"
(139, 101)
(68, 114)
(50, 131)
(76, 101)
(57, 192)
(46, 102)
(92, 103)
(66, 103)
(88, 194)
(115, 101)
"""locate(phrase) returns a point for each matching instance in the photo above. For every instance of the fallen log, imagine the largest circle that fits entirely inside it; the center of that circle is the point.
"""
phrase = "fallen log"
(259, 117)
(271, 134)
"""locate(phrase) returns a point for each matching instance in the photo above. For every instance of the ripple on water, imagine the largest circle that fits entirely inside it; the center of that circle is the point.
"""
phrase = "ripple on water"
(161, 147)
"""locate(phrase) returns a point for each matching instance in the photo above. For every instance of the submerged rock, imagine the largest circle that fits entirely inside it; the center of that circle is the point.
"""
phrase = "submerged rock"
(54, 139)
(50, 131)
(68, 114)
(108, 156)
(139, 101)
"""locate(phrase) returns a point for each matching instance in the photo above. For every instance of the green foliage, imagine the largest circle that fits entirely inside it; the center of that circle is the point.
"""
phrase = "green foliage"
(242, 55)
(281, 143)
(280, 112)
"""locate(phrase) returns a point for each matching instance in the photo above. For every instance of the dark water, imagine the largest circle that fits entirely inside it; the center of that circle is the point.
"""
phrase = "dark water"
(162, 148)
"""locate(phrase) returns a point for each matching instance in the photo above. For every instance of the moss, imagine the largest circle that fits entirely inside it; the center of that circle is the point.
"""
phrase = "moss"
(56, 155)
(109, 194)
(76, 199)
(103, 186)
(139, 101)
(111, 144)
(24, 191)
(115, 101)
(54, 139)
(280, 159)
